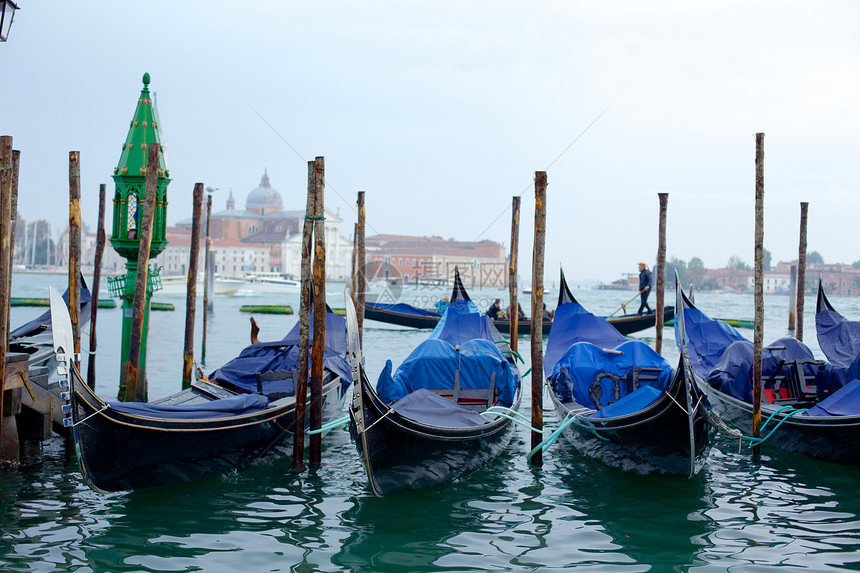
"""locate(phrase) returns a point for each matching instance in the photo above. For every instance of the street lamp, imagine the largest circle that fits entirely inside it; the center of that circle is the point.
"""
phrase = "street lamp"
(7, 14)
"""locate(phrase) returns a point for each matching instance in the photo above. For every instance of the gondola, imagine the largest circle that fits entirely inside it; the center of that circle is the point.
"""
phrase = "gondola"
(445, 412)
(217, 425)
(809, 406)
(34, 337)
(620, 402)
(403, 314)
(838, 337)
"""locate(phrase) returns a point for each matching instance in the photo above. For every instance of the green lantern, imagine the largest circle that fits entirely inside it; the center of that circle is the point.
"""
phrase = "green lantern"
(130, 179)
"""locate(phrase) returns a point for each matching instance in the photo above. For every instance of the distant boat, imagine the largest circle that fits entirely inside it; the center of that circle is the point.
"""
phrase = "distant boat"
(272, 284)
(177, 286)
(528, 290)
(403, 314)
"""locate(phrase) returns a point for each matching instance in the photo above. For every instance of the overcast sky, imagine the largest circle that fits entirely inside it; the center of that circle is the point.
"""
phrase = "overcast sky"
(442, 111)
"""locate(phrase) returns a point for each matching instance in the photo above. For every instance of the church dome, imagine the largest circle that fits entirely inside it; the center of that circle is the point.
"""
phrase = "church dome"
(264, 199)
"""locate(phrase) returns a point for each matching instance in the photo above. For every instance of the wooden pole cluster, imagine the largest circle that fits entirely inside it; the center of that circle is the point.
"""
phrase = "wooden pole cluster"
(512, 271)
(191, 286)
(75, 250)
(537, 314)
(136, 389)
(362, 268)
(318, 350)
(94, 292)
(304, 324)
(661, 272)
(801, 269)
(206, 263)
(758, 339)
(5, 253)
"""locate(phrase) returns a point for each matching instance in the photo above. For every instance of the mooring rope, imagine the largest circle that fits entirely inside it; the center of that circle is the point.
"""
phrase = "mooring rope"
(329, 426)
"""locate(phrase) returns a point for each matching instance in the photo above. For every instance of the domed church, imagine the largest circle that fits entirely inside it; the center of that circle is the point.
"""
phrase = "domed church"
(264, 221)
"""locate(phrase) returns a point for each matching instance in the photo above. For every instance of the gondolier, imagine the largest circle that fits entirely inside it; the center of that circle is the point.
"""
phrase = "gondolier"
(644, 287)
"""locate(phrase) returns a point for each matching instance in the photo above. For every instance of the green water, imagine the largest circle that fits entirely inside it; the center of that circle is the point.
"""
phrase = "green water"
(789, 511)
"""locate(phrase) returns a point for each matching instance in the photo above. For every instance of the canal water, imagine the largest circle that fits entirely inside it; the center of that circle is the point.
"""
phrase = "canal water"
(789, 512)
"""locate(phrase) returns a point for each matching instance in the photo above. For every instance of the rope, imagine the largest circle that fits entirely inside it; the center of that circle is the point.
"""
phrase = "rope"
(382, 417)
(507, 416)
(758, 441)
(308, 217)
(106, 406)
(329, 426)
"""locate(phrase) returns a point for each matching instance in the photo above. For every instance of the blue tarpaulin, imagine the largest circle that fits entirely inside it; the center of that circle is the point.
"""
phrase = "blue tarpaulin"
(403, 308)
(283, 354)
(432, 409)
(572, 324)
(707, 339)
(843, 402)
(838, 338)
(732, 375)
(235, 406)
(461, 341)
(595, 378)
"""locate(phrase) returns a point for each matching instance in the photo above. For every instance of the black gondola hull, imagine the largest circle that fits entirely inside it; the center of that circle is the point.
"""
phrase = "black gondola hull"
(662, 439)
(626, 324)
(828, 438)
(118, 451)
(402, 454)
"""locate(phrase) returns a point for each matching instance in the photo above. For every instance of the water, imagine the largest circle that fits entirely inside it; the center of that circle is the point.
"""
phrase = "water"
(789, 511)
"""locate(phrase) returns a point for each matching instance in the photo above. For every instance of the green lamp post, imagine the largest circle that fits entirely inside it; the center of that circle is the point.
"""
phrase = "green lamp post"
(130, 179)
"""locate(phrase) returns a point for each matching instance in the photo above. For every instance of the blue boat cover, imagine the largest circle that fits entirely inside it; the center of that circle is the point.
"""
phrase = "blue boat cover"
(838, 337)
(595, 378)
(404, 308)
(706, 339)
(843, 402)
(242, 371)
(234, 406)
(432, 409)
(732, 375)
(636, 401)
(572, 324)
(462, 321)
(461, 341)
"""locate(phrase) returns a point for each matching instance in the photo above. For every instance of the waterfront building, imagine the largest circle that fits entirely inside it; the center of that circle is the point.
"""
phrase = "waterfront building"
(433, 259)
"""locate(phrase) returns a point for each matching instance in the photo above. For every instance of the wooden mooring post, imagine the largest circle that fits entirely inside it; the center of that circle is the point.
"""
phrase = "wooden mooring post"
(801, 270)
(792, 297)
(537, 315)
(661, 273)
(75, 250)
(304, 325)
(318, 350)
(191, 286)
(136, 390)
(758, 337)
(94, 292)
(362, 269)
(5, 274)
(16, 163)
(206, 264)
(512, 271)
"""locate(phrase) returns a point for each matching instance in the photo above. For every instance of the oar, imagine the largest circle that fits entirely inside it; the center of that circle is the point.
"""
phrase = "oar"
(624, 305)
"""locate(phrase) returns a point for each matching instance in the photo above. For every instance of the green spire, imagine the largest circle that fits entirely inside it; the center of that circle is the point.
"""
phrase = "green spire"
(142, 131)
